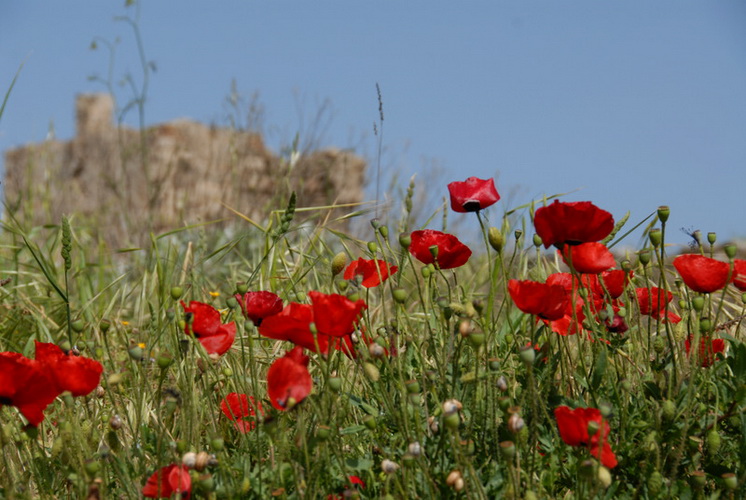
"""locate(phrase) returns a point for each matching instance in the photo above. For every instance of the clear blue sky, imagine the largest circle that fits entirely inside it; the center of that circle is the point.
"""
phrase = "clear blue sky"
(636, 103)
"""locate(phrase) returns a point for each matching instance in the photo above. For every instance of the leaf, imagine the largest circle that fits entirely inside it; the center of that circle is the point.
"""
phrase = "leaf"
(353, 429)
(359, 464)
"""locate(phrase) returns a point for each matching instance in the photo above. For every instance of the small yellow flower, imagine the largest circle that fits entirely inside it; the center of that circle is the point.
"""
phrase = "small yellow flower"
(125, 323)
(214, 294)
(141, 345)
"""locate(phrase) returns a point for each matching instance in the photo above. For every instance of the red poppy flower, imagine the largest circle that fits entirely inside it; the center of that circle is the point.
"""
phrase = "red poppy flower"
(590, 258)
(335, 314)
(27, 385)
(288, 380)
(739, 274)
(653, 302)
(473, 194)
(702, 274)
(167, 481)
(203, 321)
(76, 374)
(355, 483)
(615, 282)
(293, 324)
(374, 272)
(571, 223)
(258, 305)
(708, 348)
(451, 252)
(573, 429)
(242, 410)
(548, 302)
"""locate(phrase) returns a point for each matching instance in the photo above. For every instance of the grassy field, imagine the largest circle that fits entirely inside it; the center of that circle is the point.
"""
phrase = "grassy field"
(425, 370)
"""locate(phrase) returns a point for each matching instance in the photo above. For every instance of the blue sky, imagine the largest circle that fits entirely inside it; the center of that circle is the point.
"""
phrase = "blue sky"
(633, 104)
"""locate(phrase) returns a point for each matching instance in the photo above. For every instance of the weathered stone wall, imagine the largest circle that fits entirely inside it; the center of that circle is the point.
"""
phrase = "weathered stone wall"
(185, 173)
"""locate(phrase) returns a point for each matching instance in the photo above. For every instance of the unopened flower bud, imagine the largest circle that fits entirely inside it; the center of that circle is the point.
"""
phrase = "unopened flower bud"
(405, 240)
(371, 371)
(176, 292)
(452, 477)
(527, 354)
(451, 406)
(515, 423)
(400, 295)
(414, 449)
(496, 239)
(389, 467)
(502, 383)
(537, 240)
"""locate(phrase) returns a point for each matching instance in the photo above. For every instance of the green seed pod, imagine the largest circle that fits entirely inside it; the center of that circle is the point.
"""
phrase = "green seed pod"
(242, 288)
(78, 325)
(136, 352)
(405, 240)
(655, 482)
(425, 271)
(413, 387)
(231, 302)
(698, 477)
(452, 421)
(655, 236)
(537, 241)
(400, 295)
(663, 213)
(384, 231)
(372, 247)
(476, 339)
(176, 292)
(527, 355)
(370, 422)
(164, 361)
(494, 364)
(712, 238)
(668, 410)
(206, 483)
(335, 383)
(371, 371)
(730, 481)
(323, 432)
(644, 257)
(698, 303)
(730, 250)
(713, 441)
(507, 448)
(339, 262)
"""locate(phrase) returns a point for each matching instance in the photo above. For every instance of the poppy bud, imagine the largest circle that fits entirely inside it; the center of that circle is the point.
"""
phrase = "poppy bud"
(516, 423)
(375, 223)
(655, 482)
(384, 231)
(527, 355)
(537, 240)
(453, 476)
(414, 449)
(713, 441)
(115, 422)
(663, 212)
(231, 303)
(604, 476)
(371, 371)
(668, 409)
(372, 247)
(704, 325)
(335, 383)
(405, 240)
(339, 262)
(698, 303)
(459, 484)
(496, 239)
(388, 466)
(626, 265)
(593, 428)
(476, 339)
(242, 288)
(176, 292)
(370, 422)
(502, 383)
(452, 421)
(78, 325)
(135, 352)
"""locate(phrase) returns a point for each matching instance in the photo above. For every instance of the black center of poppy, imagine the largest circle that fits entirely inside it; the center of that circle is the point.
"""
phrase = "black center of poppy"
(5, 401)
(472, 206)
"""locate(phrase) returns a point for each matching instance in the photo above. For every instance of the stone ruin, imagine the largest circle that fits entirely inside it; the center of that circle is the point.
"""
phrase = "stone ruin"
(131, 182)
